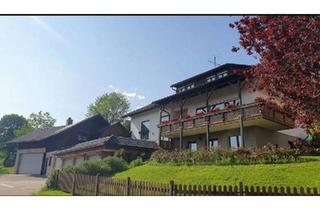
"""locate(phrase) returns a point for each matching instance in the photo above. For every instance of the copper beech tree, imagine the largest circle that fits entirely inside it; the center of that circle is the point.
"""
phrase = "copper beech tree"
(288, 49)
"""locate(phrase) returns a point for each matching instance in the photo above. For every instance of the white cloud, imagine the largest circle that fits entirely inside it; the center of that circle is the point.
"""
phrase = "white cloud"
(141, 97)
(129, 95)
(48, 28)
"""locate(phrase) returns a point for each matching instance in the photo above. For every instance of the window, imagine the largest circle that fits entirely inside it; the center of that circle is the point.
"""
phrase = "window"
(192, 146)
(82, 137)
(213, 143)
(50, 160)
(212, 78)
(165, 118)
(145, 129)
(235, 141)
(190, 86)
(202, 110)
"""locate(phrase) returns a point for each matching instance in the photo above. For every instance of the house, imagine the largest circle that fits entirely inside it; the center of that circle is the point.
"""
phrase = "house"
(36, 150)
(96, 149)
(216, 108)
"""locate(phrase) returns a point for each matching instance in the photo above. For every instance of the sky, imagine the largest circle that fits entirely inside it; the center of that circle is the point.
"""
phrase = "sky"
(60, 64)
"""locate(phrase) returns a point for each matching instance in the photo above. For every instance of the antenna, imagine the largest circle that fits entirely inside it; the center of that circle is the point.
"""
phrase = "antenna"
(214, 62)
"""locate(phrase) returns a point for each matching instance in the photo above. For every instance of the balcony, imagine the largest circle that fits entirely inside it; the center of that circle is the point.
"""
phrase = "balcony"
(255, 114)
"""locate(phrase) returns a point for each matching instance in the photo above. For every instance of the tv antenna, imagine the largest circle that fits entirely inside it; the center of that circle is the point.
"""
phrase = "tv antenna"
(214, 62)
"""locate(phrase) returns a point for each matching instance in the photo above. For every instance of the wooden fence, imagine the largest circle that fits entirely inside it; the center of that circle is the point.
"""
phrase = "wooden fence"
(77, 184)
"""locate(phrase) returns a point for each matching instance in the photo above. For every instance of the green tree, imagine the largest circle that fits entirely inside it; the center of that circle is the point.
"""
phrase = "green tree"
(126, 123)
(41, 120)
(8, 124)
(24, 130)
(112, 106)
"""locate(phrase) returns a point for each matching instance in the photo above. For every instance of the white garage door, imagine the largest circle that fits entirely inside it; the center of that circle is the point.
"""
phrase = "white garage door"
(30, 163)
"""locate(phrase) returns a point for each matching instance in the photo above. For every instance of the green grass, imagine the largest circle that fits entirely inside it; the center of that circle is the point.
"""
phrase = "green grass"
(292, 174)
(5, 170)
(49, 192)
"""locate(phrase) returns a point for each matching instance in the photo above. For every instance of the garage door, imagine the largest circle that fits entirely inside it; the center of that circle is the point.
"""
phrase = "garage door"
(30, 163)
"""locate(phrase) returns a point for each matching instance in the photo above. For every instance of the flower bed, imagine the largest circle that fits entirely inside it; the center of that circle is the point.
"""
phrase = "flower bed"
(266, 155)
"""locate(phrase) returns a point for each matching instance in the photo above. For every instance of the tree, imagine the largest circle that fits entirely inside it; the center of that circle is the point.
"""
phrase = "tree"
(8, 124)
(127, 124)
(111, 106)
(24, 130)
(41, 120)
(288, 48)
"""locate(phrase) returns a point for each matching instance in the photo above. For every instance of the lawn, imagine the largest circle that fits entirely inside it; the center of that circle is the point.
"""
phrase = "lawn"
(4, 170)
(293, 174)
(49, 192)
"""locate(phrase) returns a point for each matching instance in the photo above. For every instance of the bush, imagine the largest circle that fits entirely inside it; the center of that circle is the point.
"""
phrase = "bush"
(219, 156)
(52, 181)
(105, 167)
(136, 162)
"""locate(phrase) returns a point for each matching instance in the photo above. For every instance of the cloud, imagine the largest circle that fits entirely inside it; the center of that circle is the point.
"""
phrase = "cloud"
(48, 29)
(133, 95)
(129, 95)
(141, 97)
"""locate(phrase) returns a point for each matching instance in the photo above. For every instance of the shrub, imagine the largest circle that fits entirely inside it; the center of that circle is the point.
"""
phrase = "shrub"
(52, 181)
(105, 167)
(219, 156)
(137, 162)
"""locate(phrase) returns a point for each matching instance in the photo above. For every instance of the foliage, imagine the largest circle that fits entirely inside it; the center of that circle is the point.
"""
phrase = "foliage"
(4, 170)
(137, 162)
(105, 167)
(293, 174)
(41, 120)
(52, 181)
(8, 124)
(24, 130)
(266, 155)
(112, 106)
(288, 71)
(127, 124)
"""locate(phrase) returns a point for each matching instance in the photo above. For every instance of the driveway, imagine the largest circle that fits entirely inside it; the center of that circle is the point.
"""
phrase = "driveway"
(14, 184)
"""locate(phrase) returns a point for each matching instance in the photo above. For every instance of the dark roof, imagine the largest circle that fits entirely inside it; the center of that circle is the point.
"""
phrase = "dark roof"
(199, 89)
(37, 135)
(140, 110)
(43, 133)
(227, 66)
(110, 141)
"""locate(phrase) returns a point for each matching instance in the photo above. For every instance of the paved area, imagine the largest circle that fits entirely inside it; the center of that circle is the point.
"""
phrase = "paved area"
(13, 184)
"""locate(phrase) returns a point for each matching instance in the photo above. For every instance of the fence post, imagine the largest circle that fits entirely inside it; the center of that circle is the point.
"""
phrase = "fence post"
(97, 185)
(73, 184)
(171, 188)
(241, 188)
(128, 186)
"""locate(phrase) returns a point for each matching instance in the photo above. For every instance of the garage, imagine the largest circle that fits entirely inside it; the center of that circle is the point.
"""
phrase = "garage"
(30, 162)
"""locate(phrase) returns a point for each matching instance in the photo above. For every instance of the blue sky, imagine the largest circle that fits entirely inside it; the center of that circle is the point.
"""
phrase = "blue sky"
(61, 64)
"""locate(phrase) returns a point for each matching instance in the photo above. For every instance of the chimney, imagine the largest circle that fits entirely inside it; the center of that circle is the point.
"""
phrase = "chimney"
(69, 121)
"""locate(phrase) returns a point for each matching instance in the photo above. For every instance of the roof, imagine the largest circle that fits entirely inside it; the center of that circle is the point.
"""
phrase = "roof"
(140, 110)
(43, 133)
(37, 135)
(198, 89)
(226, 66)
(113, 141)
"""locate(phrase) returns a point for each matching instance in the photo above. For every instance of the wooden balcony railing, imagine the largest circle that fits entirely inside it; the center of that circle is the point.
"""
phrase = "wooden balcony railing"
(250, 111)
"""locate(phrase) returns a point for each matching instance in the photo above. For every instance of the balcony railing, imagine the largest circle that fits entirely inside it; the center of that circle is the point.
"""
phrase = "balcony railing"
(250, 111)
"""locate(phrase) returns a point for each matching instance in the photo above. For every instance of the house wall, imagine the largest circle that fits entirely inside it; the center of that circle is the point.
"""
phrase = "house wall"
(254, 137)
(154, 117)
